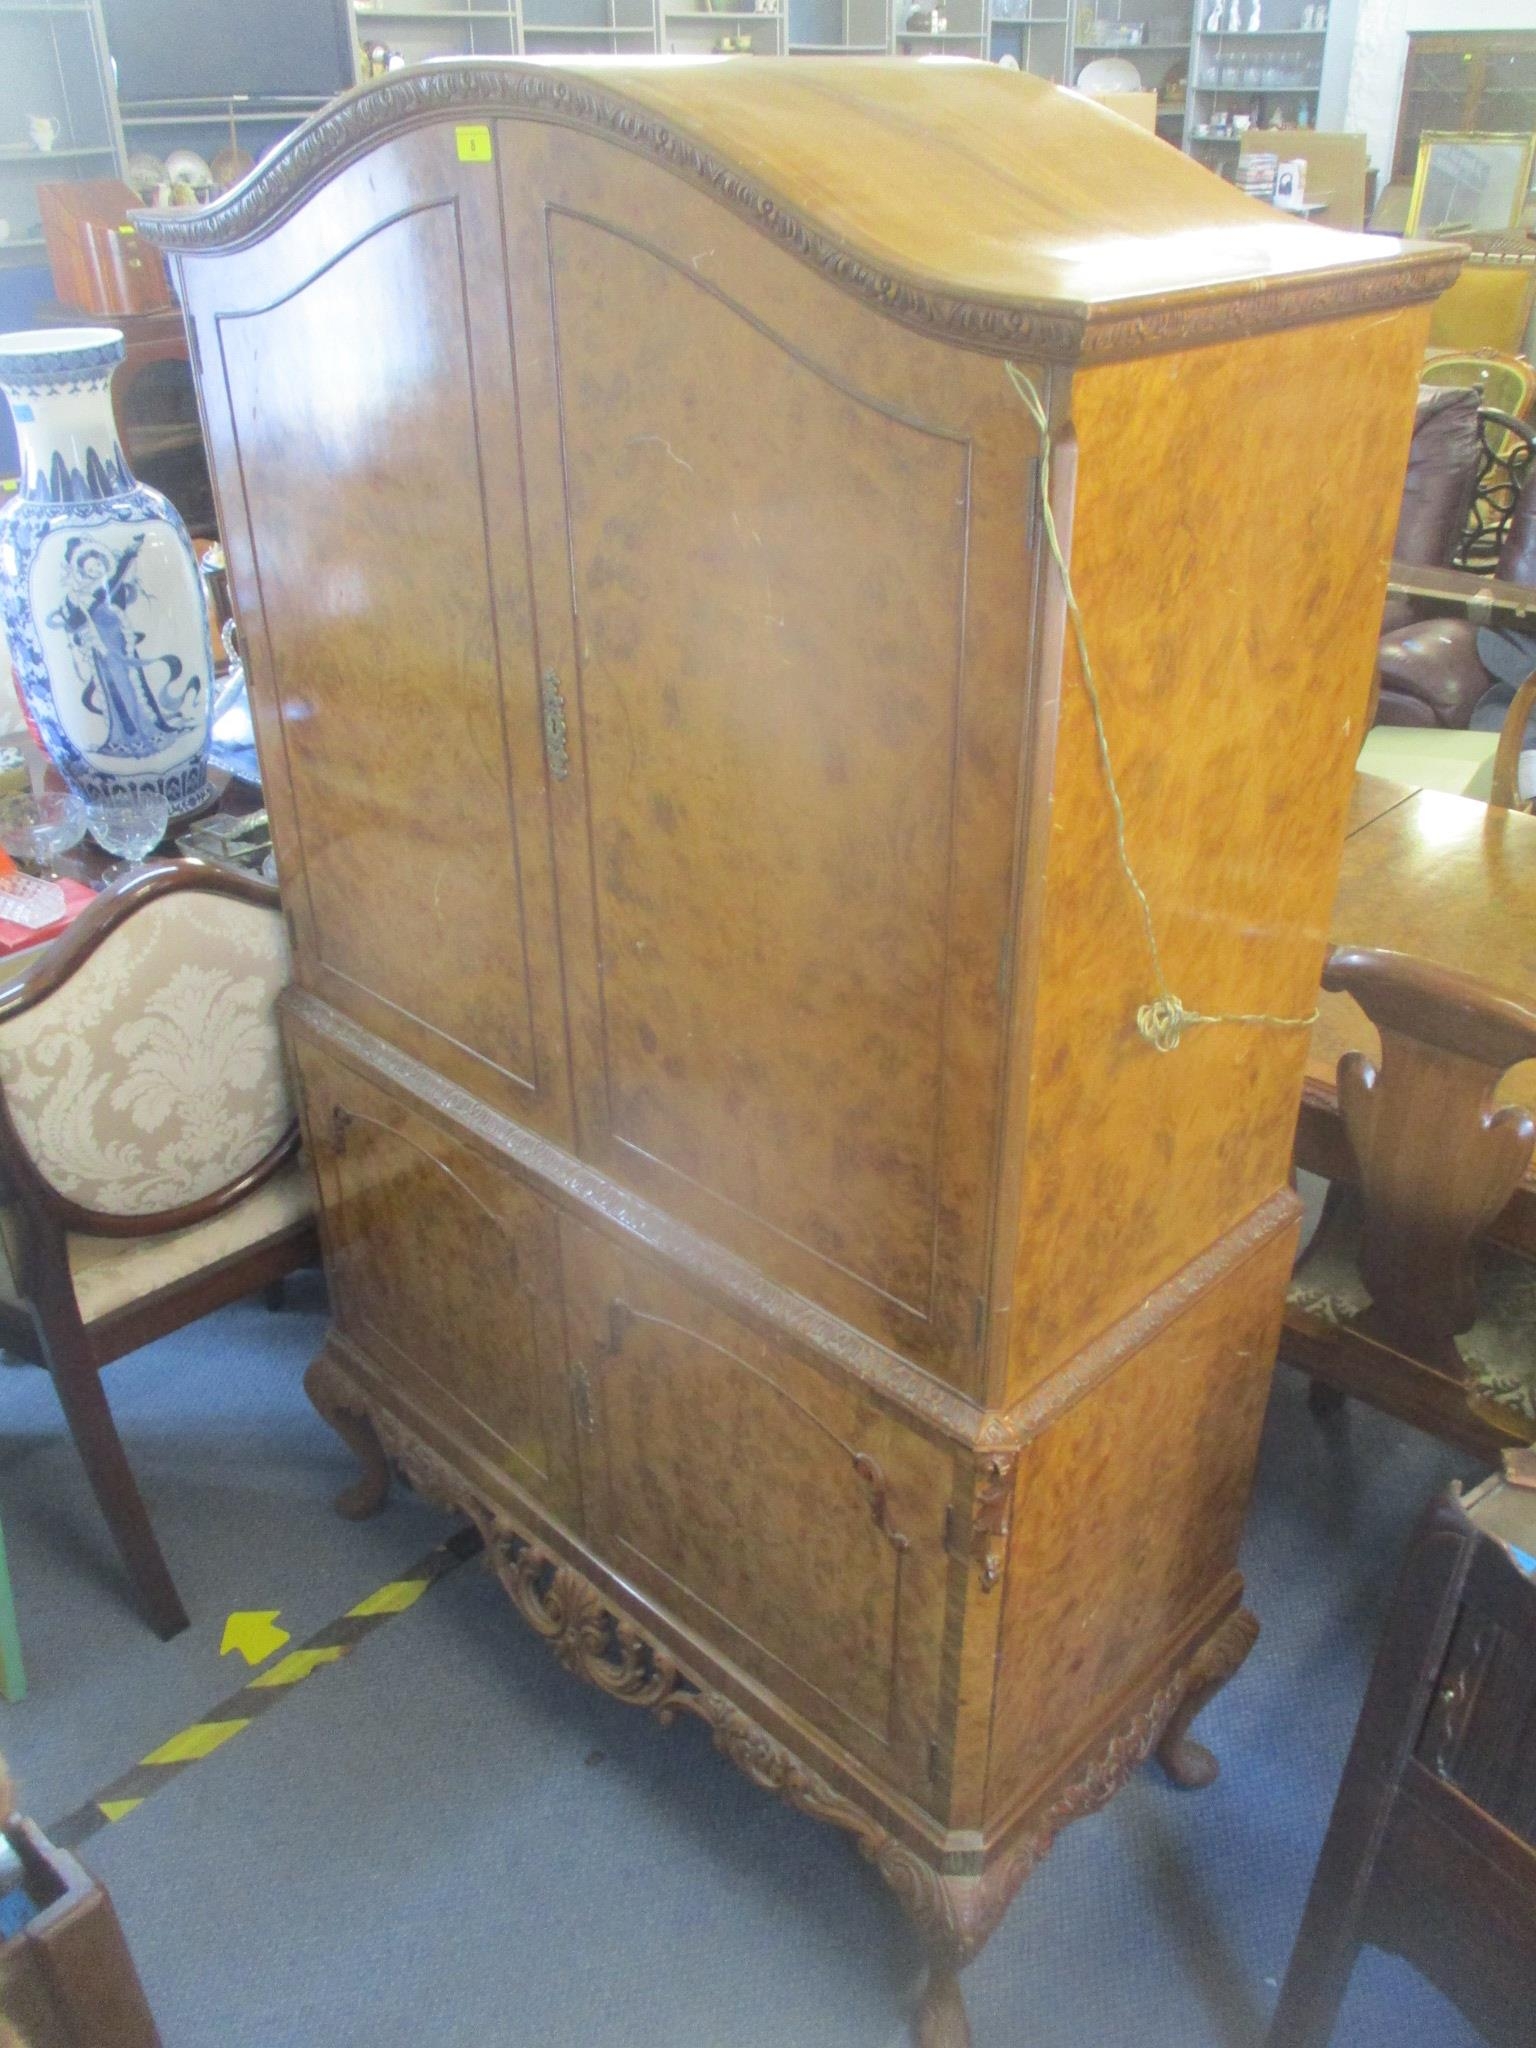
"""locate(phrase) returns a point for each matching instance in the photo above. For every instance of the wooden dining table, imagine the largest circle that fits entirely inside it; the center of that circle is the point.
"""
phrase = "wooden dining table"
(1453, 881)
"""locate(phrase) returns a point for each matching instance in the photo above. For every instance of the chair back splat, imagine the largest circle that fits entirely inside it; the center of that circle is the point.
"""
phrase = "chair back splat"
(1437, 1159)
(1401, 1297)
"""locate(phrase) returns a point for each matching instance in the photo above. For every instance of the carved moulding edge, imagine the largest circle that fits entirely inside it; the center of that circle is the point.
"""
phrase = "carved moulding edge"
(347, 127)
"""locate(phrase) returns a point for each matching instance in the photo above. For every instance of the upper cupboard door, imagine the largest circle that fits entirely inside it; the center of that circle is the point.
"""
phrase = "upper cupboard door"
(362, 412)
(791, 539)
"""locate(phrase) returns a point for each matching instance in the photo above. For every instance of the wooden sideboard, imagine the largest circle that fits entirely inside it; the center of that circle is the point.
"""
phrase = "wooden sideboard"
(745, 1187)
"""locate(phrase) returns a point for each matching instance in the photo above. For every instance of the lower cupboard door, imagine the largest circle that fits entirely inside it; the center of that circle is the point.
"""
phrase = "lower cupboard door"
(445, 1270)
(780, 1513)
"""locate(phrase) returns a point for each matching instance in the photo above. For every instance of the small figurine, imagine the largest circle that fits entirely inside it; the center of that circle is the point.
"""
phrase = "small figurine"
(1213, 23)
(1253, 18)
(1235, 18)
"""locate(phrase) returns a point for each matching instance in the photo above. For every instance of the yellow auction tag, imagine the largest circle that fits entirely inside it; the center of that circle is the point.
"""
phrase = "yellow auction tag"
(474, 143)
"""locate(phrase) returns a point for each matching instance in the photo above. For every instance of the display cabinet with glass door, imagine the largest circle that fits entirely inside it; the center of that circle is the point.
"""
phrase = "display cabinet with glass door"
(1472, 83)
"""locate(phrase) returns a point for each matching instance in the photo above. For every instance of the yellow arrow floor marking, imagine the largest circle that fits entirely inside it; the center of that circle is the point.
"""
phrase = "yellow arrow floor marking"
(391, 1599)
(267, 1690)
(298, 1664)
(254, 1634)
(201, 1739)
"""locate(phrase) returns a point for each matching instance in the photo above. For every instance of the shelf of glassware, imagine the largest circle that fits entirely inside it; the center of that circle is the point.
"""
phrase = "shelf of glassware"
(1273, 74)
(747, 31)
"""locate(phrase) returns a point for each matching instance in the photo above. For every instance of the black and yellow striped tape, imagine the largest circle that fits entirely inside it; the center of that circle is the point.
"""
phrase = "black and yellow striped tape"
(261, 1693)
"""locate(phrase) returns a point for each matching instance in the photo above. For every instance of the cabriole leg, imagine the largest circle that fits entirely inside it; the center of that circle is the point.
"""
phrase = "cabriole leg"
(337, 1401)
(941, 2016)
(1189, 1763)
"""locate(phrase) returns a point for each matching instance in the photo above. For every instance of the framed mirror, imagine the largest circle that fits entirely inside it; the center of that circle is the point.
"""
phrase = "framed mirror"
(1470, 183)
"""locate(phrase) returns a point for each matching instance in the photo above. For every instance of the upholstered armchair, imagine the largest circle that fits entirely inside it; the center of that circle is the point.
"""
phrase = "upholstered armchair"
(148, 1147)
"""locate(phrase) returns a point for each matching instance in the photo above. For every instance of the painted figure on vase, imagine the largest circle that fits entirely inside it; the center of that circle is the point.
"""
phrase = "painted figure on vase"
(142, 711)
(99, 586)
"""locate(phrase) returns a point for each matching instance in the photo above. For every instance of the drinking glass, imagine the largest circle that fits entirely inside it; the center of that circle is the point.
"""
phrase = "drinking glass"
(131, 823)
(37, 829)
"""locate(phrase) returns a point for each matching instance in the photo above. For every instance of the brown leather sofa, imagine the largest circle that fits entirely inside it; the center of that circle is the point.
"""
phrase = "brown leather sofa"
(1430, 671)
(1437, 494)
(1428, 666)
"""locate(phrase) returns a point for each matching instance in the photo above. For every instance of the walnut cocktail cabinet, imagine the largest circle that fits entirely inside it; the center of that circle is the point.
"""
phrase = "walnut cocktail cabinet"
(746, 1188)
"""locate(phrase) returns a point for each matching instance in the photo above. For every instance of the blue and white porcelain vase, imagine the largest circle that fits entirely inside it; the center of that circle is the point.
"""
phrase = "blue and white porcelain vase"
(99, 588)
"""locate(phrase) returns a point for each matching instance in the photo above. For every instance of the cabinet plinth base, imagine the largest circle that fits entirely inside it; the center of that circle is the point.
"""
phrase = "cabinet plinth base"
(955, 1914)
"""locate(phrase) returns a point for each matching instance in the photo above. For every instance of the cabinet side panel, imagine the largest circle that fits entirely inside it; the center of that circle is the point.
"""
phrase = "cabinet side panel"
(1127, 1517)
(1234, 516)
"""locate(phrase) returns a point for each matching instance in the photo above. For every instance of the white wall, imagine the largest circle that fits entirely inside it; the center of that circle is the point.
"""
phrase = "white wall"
(1375, 83)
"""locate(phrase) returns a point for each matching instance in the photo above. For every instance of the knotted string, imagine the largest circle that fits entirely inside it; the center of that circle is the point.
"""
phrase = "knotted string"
(1163, 1021)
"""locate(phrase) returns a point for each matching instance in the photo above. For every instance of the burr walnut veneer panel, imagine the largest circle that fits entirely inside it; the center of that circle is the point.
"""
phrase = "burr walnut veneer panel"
(1246, 631)
(411, 798)
(409, 1209)
(1101, 1562)
(798, 570)
(744, 1187)
(808, 1539)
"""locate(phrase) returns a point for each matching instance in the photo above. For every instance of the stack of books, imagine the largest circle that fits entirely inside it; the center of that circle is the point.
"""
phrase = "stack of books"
(1256, 174)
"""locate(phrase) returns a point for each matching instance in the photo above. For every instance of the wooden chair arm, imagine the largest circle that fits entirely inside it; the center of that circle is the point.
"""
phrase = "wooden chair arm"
(1506, 762)
(1440, 1006)
(1485, 600)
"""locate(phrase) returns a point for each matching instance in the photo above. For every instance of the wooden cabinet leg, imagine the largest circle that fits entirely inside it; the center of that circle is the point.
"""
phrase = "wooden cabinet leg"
(1189, 1763)
(335, 1399)
(1324, 1400)
(941, 2016)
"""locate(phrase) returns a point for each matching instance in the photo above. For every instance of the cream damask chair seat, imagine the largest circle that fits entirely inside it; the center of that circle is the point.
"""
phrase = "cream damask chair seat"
(111, 1274)
(149, 1149)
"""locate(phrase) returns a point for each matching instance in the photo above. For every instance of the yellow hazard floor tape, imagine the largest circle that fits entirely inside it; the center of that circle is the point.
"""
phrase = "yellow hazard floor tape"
(261, 1693)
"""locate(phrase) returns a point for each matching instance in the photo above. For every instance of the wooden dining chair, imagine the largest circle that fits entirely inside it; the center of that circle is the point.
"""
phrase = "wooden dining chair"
(1431, 1850)
(1400, 1298)
(148, 1149)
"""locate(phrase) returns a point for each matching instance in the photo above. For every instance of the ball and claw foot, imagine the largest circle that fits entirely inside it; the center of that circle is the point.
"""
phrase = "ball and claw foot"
(941, 2020)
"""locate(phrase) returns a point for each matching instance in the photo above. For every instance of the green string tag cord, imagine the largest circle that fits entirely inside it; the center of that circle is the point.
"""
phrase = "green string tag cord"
(1162, 1021)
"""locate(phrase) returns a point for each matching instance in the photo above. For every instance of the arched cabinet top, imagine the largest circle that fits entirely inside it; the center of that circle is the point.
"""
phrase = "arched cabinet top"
(981, 204)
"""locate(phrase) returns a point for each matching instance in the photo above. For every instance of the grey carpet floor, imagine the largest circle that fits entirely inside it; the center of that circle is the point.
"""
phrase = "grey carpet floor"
(444, 1839)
